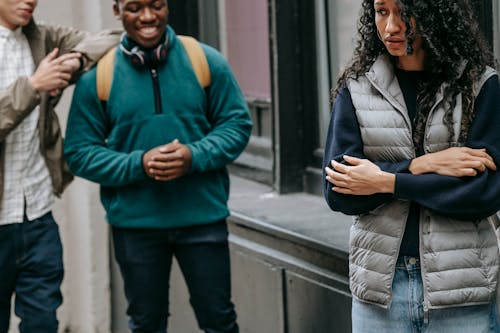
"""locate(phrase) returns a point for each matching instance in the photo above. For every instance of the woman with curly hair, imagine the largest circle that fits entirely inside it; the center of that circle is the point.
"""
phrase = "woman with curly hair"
(412, 152)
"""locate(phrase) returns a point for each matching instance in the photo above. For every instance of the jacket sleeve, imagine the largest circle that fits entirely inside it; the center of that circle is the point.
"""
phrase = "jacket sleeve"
(344, 138)
(229, 116)
(19, 99)
(16, 103)
(92, 45)
(468, 197)
(86, 148)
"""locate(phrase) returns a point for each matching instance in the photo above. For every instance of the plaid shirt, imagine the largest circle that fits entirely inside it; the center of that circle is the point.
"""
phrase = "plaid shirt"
(27, 183)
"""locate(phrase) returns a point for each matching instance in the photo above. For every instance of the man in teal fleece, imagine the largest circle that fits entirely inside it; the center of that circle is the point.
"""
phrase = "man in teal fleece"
(159, 148)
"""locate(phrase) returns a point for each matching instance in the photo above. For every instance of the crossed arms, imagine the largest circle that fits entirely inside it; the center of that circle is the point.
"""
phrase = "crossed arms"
(457, 182)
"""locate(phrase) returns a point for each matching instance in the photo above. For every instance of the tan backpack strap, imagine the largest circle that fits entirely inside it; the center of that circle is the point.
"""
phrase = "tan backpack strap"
(198, 59)
(104, 75)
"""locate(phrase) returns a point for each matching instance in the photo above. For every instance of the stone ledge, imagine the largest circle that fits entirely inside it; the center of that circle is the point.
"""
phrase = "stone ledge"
(300, 218)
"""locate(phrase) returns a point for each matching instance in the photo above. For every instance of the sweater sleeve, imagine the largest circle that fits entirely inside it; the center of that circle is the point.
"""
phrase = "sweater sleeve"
(85, 147)
(228, 115)
(466, 197)
(344, 138)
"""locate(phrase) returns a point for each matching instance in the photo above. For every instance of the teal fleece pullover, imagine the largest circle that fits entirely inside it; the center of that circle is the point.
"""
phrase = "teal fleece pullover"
(106, 145)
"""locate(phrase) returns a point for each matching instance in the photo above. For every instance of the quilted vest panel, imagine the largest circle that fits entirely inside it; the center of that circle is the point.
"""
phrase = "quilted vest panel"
(453, 253)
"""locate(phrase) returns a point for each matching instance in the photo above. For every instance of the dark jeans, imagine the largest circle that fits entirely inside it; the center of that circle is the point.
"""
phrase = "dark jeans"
(31, 267)
(145, 258)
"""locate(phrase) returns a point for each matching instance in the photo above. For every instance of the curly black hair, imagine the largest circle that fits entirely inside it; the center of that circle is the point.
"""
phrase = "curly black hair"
(451, 40)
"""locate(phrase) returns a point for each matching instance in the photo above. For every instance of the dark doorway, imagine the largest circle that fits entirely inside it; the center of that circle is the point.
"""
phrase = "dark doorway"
(184, 17)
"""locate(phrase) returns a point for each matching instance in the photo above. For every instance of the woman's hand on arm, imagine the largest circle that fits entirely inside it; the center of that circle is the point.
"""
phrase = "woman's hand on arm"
(359, 177)
(464, 197)
(454, 162)
(344, 138)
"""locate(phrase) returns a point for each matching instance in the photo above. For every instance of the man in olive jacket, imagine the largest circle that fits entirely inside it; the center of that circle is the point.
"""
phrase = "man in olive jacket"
(36, 63)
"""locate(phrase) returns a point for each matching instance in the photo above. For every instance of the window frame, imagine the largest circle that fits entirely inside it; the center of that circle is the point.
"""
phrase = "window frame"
(294, 91)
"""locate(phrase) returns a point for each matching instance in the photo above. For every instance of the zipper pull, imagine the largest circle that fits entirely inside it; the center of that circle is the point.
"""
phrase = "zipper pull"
(156, 89)
(426, 314)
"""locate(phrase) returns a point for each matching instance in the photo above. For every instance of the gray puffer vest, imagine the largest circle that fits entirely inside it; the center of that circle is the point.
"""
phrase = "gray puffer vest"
(459, 259)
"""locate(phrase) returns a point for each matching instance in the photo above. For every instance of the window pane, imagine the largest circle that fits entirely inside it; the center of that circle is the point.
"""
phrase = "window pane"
(342, 20)
(324, 81)
(496, 28)
(247, 40)
(336, 33)
(244, 39)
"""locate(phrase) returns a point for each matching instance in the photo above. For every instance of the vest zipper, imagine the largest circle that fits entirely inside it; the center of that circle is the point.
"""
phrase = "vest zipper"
(156, 90)
(426, 314)
(422, 269)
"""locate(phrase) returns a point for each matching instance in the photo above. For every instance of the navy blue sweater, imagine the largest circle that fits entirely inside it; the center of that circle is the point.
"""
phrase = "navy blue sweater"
(467, 198)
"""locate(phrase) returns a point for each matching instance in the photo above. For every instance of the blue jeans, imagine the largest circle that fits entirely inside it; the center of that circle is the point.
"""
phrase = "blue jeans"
(406, 314)
(31, 267)
(145, 258)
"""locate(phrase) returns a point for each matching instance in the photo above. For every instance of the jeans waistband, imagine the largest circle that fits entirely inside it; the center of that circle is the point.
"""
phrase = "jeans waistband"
(44, 217)
(407, 262)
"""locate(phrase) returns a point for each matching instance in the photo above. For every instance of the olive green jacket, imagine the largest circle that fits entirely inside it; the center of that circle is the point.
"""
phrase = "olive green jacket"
(19, 99)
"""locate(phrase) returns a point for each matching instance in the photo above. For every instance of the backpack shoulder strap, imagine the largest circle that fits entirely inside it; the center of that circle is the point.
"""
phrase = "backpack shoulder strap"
(104, 75)
(198, 59)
